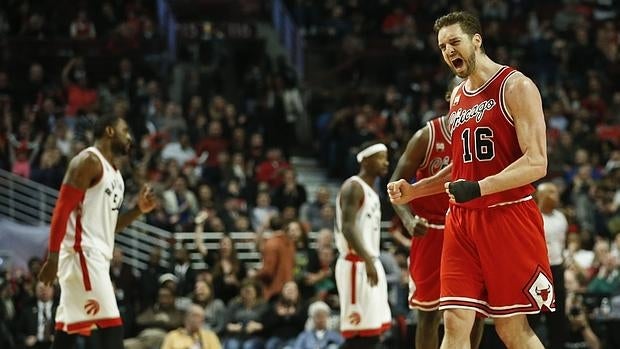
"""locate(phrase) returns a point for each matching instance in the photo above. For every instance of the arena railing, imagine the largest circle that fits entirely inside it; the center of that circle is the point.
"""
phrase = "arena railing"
(31, 203)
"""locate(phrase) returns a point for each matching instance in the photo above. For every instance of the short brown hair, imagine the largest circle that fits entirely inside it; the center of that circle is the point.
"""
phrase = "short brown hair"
(469, 23)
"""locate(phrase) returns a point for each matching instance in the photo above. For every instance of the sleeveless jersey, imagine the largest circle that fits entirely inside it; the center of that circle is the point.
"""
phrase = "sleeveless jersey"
(368, 222)
(438, 155)
(484, 139)
(92, 224)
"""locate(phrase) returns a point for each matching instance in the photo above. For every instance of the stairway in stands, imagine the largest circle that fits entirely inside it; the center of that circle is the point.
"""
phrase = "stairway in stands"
(312, 176)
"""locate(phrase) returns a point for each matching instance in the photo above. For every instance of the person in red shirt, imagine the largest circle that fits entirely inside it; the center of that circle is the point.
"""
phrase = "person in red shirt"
(271, 169)
(79, 95)
(278, 254)
(494, 259)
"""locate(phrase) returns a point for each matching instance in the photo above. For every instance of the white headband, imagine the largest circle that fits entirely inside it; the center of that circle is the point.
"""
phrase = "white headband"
(370, 151)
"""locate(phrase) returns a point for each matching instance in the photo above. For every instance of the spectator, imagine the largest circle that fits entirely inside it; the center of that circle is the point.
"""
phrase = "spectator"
(580, 334)
(149, 278)
(7, 314)
(213, 144)
(156, 321)
(226, 269)
(80, 96)
(278, 257)
(271, 169)
(311, 211)
(318, 336)
(181, 204)
(291, 192)
(285, 319)
(180, 151)
(124, 278)
(193, 334)
(214, 309)
(171, 122)
(33, 88)
(185, 274)
(81, 27)
(262, 212)
(298, 234)
(243, 325)
(35, 327)
(607, 278)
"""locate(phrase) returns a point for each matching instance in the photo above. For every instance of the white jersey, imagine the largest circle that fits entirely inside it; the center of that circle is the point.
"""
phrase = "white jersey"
(368, 222)
(364, 309)
(556, 227)
(92, 225)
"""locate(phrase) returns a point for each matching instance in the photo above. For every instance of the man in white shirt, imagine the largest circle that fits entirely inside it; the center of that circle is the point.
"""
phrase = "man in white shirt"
(556, 227)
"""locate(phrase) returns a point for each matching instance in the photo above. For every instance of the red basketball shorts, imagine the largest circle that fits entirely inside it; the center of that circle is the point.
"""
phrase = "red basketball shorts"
(424, 261)
(495, 261)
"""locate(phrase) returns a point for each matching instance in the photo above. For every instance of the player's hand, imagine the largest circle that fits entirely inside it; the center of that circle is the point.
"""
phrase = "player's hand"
(47, 275)
(400, 192)
(146, 199)
(462, 190)
(416, 226)
(371, 273)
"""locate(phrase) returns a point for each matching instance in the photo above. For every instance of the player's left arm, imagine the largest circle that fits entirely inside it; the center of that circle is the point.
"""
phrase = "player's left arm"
(525, 105)
(146, 203)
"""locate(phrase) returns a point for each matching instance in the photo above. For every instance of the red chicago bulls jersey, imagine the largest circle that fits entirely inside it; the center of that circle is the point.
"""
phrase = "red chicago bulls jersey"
(484, 139)
(438, 156)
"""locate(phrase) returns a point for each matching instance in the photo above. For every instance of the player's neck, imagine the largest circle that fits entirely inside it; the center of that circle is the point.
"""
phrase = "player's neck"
(367, 177)
(106, 150)
(485, 69)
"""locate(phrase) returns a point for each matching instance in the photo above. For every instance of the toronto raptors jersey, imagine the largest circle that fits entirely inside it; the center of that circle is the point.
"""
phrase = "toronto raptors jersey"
(367, 222)
(484, 139)
(92, 224)
(438, 155)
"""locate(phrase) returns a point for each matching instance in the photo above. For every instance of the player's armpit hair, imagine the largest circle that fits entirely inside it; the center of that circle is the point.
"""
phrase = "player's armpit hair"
(68, 199)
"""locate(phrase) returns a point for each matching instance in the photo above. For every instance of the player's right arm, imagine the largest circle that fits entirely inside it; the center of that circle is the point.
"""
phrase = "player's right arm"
(407, 166)
(83, 171)
(401, 192)
(351, 198)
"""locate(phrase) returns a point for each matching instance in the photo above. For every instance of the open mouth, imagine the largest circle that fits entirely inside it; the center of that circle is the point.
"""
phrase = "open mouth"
(457, 63)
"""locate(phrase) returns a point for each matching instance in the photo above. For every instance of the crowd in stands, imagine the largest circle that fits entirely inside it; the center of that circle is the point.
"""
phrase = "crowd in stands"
(221, 163)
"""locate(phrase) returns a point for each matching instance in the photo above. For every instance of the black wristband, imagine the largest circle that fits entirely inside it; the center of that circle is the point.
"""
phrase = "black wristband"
(464, 191)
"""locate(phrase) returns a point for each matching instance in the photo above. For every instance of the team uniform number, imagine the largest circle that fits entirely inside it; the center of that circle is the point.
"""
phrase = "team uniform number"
(483, 145)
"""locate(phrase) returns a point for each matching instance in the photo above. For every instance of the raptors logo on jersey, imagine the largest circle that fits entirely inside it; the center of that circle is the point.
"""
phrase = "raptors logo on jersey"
(92, 307)
(477, 124)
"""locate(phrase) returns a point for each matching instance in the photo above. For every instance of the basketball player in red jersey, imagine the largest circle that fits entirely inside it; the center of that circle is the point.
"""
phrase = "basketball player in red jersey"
(84, 222)
(494, 259)
(428, 151)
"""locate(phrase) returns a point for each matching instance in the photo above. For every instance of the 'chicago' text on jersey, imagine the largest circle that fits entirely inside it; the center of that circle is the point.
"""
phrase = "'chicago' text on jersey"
(461, 116)
(437, 164)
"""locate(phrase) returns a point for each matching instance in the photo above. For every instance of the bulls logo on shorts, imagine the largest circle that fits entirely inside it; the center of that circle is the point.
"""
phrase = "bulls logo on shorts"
(540, 290)
(355, 318)
(91, 307)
